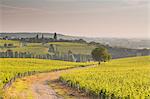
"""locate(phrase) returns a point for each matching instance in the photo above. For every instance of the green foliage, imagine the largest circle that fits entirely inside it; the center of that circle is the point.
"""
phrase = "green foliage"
(39, 49)
(15, 43)
(55, 36)
(101, 54)
(76, 48)
(128, 78)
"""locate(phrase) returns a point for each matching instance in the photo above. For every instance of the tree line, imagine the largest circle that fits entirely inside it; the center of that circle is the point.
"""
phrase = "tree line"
(56, 56)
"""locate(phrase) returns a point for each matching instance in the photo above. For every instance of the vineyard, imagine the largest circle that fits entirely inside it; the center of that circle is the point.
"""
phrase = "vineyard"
(12, 68)
(42, 49)
(120, 78)
(67, 51)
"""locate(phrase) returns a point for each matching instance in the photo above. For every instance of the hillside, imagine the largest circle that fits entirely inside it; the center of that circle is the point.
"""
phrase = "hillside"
(120, 78)
(60, 50)
(114, 42)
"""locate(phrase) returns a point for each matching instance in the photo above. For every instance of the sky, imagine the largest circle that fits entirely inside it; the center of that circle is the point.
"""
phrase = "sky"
(91, 18)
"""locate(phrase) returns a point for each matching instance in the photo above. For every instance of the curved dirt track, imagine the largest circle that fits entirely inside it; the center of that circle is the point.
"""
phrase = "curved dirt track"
(41, 88)
(39, 85)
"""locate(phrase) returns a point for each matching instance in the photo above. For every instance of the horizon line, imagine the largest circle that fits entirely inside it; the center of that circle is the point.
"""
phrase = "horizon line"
(81, 35)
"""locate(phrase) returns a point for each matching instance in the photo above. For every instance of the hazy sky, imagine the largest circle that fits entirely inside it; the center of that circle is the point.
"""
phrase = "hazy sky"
(92, 18)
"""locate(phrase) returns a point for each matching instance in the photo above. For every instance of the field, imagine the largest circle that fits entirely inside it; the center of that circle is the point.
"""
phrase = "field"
(11, 67)
(76, 48)
(59, 50)
(125, 78)
(2, 42)
(40, 49)
(35, 48)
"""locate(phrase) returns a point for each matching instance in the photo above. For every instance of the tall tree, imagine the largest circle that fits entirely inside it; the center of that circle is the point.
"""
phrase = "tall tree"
(37, 36)
(55, 36)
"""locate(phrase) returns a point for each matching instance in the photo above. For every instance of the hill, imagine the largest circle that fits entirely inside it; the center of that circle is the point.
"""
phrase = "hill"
(126, 78)
(114, 42)
(62, 50)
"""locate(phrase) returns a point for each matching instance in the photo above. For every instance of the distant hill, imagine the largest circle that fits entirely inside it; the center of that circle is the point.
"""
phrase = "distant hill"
(114, 42)
(60, 50)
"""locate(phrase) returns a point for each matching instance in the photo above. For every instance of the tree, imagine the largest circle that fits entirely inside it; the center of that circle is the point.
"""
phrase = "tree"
(71, 56)
(5, 45)
(9, 53)
(42, 36)
(51, 48)
(5, 38)
(55, 36)
(81, 41)
(37, 36)
(101, 54)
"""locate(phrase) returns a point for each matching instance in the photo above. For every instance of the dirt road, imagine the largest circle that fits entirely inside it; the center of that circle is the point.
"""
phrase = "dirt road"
(39, 86)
